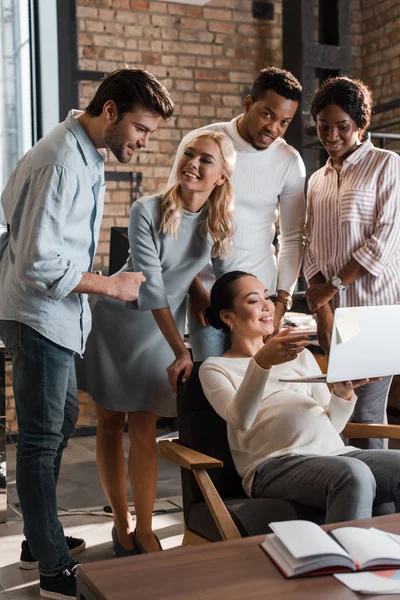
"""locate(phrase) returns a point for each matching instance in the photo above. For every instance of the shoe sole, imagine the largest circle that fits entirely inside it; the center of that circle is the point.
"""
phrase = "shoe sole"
(55, 595)
(30, 565)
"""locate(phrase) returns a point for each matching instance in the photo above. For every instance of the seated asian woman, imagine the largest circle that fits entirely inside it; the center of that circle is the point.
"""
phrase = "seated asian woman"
(285, 437)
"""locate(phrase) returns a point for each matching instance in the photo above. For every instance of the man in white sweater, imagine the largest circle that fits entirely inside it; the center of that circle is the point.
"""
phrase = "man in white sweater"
(268, 181)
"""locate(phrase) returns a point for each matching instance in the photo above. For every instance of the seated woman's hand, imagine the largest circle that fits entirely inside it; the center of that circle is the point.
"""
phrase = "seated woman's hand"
(344, 389)
(281, 348)
(182, 364)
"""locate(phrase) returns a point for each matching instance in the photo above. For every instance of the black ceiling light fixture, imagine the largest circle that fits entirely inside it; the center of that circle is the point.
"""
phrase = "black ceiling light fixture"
(262, 9)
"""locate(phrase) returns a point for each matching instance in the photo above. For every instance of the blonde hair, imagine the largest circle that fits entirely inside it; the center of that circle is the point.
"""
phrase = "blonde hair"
(219, 221)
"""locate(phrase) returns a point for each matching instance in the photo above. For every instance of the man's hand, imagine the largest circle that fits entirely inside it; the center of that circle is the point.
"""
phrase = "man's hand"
(279, 313)
(319, 294)
(182, 363)
(344, 389)
(199, 300)
(125, 286)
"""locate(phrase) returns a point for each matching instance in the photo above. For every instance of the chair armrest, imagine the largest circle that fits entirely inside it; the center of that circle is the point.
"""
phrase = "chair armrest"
(198, 463)
(187, 458)
(371, 430)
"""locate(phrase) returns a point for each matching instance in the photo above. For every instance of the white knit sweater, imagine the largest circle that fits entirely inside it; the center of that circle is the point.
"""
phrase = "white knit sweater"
(262, 181)
(266, 418)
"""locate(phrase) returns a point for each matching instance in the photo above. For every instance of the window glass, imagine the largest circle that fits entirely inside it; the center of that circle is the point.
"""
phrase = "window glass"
(15, 87)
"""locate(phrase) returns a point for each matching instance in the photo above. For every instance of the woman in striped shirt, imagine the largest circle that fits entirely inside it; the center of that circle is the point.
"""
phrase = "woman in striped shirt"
(352, 255)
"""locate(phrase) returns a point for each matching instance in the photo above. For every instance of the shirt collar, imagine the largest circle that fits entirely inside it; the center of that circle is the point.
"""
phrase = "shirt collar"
(354, 157)
(90, 152)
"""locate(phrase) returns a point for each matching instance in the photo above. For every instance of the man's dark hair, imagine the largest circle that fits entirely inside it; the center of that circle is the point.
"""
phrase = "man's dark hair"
(352, 95)
(129, 88)
(279, 81)
(222, 297)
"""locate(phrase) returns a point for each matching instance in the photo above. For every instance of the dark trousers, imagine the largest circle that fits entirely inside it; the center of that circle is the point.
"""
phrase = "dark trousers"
(345, 486)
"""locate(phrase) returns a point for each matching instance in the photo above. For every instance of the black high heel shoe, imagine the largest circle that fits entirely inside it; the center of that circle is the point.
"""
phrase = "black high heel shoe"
(140, 549)
(119, 550)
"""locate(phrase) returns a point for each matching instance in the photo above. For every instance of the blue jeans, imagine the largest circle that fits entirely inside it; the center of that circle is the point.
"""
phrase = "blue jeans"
(207, 341)
(46, 403)
(345, 486)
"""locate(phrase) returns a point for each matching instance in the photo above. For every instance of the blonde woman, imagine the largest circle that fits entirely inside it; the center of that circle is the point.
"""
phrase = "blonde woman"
(172, 237)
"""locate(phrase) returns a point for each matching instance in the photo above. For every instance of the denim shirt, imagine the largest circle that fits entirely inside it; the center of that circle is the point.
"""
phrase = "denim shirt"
(53, 203)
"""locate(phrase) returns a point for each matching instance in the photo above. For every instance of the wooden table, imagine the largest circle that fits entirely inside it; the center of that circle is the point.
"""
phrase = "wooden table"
(237, 570)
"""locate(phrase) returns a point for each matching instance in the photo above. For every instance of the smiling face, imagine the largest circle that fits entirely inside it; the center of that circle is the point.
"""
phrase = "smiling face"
(200, 167)
(266, 119)
(253, 310)
(337, 131)
(130, 133)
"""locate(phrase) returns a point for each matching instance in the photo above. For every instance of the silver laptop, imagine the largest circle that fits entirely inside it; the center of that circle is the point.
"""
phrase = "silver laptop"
(365, 343)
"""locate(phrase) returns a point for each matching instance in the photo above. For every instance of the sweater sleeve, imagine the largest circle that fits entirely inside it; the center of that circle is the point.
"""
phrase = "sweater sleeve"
(292, 214)
(340, 411)
(145, 257)
(238, 407)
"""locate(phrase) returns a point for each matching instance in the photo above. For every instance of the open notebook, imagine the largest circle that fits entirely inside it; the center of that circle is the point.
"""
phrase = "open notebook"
(303, 548)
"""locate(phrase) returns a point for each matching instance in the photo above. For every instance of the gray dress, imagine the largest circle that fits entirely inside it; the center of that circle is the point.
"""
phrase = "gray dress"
(127, 356)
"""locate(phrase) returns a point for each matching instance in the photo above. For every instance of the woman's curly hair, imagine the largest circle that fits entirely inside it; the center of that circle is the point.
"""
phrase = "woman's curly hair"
(352, 95)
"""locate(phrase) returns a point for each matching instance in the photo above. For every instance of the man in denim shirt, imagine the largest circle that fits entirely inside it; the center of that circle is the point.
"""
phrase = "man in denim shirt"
(53, 203)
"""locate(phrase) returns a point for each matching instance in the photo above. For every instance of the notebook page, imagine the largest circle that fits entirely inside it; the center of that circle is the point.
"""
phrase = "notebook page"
(365, 545)
(394, 537)
(290, 566)
(303, 538)
(369, 583)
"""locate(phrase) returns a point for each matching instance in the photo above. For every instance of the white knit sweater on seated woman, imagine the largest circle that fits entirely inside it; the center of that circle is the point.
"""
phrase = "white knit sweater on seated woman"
(266, 418)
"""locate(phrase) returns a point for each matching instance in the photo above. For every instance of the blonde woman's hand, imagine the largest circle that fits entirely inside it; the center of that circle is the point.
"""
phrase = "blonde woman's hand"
(281, 348)
(182, 364)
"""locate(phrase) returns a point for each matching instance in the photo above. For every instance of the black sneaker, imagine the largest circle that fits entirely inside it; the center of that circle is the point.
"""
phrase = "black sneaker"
(28, 561)
(59, 587)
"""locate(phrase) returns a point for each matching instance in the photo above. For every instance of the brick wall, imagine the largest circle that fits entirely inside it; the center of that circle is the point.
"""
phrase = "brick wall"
(356, 36)
(376, 51)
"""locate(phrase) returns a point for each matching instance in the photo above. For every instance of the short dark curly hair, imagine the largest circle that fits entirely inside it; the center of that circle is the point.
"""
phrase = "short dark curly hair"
(352, 95)
(129, 88)
(279, 81)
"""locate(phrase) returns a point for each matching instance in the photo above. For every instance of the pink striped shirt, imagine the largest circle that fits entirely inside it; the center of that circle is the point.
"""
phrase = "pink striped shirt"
(357, 215)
